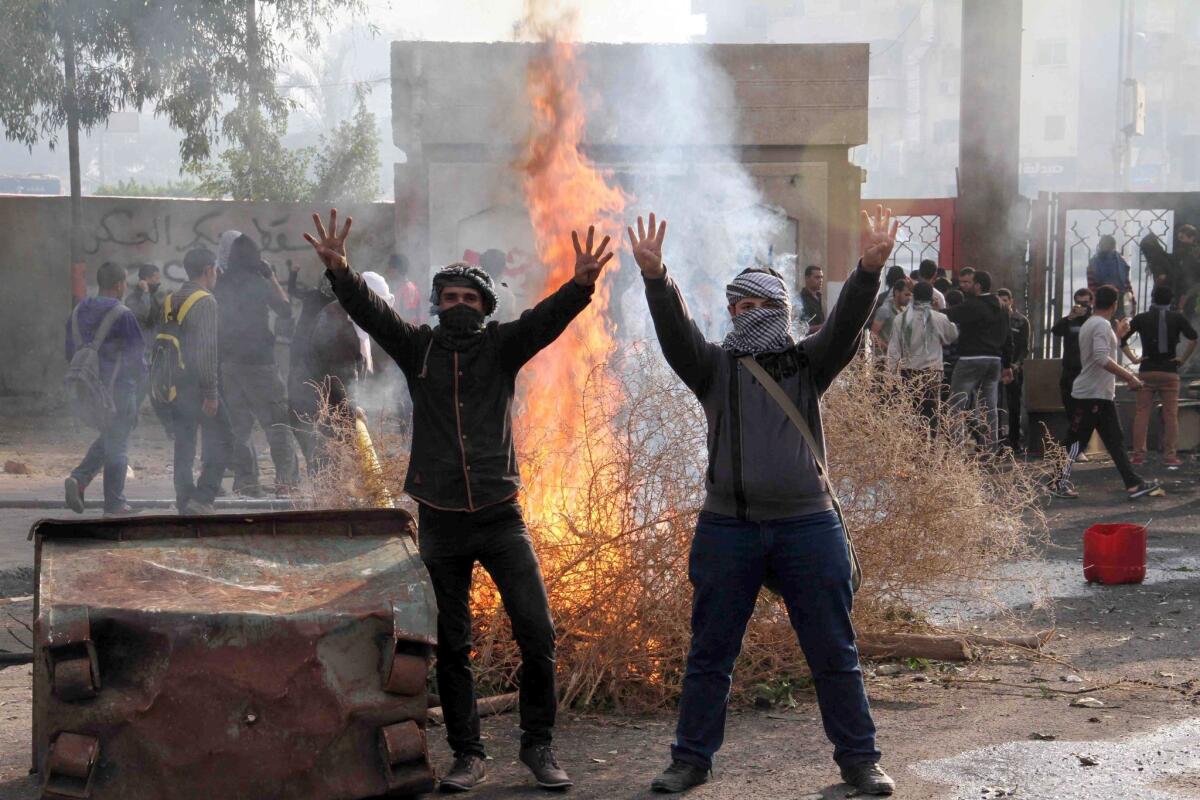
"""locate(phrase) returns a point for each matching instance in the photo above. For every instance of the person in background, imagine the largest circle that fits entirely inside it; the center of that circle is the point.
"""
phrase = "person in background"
(812, 306)
(304, 378)
(198, 405)
(950, 351)
(1187, 267)
(1160, 330)
(881, 323)
(1094, 392)
(944, 286)
(894, 273)
(409, 302)
(915, 348)
(1019, 333)
(927, 273)
(494, 263)
(1067, 329)
(966, 281)
(145, 301)
(1108, 267)
(224, 245)
(983, 353)
(246, 294)
(146, 298)
(121, 367)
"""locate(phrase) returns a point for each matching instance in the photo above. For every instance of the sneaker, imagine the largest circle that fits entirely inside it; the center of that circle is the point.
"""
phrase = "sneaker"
(1063, 490)
(544, 766)
(74, 491)
(250, 490)
(125, 510)
(1173, 462)
(868, 779)
(467, 772)
(1146, 488)
(679, 777)
(1082, 458)
(1137, 459)
(196, 508)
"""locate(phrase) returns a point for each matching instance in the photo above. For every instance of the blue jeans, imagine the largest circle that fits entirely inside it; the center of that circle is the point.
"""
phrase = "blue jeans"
(110, 451)
(807, 561)
(981, 377)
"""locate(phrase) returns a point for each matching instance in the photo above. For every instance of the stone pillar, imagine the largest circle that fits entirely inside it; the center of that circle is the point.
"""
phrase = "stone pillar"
(988, 221)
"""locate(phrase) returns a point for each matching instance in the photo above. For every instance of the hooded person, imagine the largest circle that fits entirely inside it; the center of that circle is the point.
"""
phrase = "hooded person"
(463, 474)
(768, 510)
(247, 293)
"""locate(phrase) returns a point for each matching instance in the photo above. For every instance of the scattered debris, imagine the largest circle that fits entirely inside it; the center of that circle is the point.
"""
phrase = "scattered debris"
(1087, 702)
(1042, 737)
(1072, 679)
(17, 468)
(989, 792)
(1087, 761)
(887, 669)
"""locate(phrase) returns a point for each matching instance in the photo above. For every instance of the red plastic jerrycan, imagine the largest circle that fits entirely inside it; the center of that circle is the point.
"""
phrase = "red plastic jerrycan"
(1114, 553)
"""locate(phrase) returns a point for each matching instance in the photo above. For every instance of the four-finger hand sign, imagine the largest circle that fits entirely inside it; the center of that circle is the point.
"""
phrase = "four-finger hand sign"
(878, 238)
(647, 247)
(331, 245)
(587, 263)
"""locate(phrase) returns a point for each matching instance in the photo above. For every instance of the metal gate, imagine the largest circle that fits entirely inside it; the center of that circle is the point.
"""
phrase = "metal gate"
(926, 230)
(1065, 228)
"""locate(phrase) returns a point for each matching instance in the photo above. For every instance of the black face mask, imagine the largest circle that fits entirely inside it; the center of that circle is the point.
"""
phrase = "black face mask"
(459, 326)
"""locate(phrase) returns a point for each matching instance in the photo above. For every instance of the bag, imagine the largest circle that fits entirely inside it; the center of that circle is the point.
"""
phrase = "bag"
(90, 398)
(780, 397)
(166, 359)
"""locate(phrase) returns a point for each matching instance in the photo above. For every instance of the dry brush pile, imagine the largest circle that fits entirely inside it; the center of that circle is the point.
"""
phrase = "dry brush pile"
(932, 520)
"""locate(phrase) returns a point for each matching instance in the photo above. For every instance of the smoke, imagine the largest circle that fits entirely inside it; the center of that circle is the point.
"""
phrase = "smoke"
(664, 119)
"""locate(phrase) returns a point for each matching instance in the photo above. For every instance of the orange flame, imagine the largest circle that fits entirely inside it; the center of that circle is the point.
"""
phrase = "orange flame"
(564, 192)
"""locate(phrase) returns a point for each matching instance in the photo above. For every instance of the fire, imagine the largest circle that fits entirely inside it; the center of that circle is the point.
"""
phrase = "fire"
(564, 191)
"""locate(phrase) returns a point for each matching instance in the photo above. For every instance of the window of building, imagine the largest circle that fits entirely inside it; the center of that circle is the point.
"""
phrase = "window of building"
(1051, 53)
(1055, 129)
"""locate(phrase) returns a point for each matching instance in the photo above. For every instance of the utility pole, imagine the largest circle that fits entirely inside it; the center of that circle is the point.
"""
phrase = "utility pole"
(253, 76)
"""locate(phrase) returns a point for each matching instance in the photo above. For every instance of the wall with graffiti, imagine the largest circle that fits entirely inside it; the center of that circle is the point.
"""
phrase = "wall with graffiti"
(35, 297)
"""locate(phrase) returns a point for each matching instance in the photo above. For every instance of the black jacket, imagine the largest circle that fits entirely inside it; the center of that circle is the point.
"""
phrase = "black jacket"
(1018, 330)
(244, 299)
(1068, 328)
(759, 466)
(982, 328)
(462, 456)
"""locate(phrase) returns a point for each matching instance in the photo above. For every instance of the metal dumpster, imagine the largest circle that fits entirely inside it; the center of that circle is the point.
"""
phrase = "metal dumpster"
(241, 656)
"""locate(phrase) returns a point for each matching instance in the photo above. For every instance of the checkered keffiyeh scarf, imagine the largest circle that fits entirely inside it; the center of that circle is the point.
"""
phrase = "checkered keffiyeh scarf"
(463, 274)
(759, 330)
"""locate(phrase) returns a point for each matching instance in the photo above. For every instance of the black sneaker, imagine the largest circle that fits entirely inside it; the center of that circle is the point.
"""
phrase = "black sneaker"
(868, 779)
(546, 771)
(679, 777)
(467, 772)
(74, 495)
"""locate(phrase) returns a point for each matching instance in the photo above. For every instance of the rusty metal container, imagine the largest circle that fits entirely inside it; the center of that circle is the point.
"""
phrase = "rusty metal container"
(243, 656)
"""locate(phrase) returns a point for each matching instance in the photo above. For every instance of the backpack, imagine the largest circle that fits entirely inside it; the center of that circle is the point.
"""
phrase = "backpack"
(166, 359)
(90, 398)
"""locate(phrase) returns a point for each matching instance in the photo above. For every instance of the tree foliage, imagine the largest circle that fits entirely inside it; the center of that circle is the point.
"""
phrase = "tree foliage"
(182, 57)
(347, 163)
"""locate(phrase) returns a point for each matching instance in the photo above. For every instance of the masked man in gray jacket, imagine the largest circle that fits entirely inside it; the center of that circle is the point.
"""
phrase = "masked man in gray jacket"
(768, 513)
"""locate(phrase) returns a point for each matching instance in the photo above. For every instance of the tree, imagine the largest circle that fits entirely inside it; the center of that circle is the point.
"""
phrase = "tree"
(72, 63)
(347, 165)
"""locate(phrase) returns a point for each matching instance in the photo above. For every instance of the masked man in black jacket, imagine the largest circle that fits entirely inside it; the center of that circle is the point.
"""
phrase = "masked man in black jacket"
(463, 474)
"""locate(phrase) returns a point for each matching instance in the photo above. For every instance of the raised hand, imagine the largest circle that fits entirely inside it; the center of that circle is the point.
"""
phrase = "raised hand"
(647, 247)
(587, 263)
(331, 246)
(878, 238)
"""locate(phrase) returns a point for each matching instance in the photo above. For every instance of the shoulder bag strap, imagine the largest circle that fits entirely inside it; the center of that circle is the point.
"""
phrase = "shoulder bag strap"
(789, 408)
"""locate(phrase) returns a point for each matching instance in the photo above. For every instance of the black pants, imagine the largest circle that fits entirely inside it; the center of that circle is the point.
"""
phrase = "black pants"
(451, 543)
(1099, 416)
(1012, 405)
(1068, 403)
(926, 385)
(216, 438)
